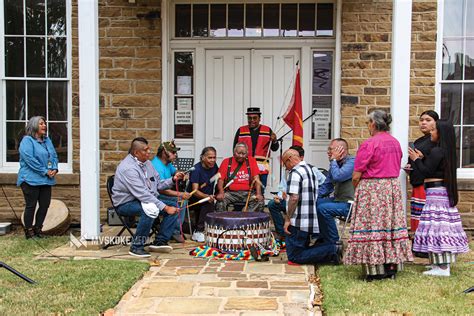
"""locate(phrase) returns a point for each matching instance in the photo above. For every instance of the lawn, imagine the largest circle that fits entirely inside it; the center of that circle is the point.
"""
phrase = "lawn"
(410, 294)
(84, 287)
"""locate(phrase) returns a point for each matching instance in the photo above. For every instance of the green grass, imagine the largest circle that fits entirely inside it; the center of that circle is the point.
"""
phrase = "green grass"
(79, 287)
(411, 292)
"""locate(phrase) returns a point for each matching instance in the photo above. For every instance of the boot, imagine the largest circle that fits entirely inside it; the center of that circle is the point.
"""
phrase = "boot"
(37, 231)
(29, 233)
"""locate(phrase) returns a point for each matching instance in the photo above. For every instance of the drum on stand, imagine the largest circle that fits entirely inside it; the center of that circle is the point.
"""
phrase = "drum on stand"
(233, 232)
(57, 219)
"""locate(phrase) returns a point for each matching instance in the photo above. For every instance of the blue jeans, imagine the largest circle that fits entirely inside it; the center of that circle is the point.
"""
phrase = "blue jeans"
(134, 208)
(263, 179)
(172, 201)
(327, 210)
(276, 210)
(298, 250)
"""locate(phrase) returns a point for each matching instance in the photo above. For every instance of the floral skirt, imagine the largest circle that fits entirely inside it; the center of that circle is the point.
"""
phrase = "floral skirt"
(440, 229)
(378, 230)
(417, 201)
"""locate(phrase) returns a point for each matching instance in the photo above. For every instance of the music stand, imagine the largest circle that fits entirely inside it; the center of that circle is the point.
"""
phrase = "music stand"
(15, 272)
(281, 139)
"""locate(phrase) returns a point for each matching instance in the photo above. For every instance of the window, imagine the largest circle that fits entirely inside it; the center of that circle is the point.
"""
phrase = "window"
(254, 20)
(322, 92)
(457, 76)
(183, 94)
(35, 74)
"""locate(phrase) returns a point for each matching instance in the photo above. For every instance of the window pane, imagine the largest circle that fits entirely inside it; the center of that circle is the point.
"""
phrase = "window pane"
(452, 59)
(469, 21)
(57, 100)
(253, 20)
(183, 20)
(321, 122)
(36, 98)
(236, 20)
(218, 20)
(451, 102)
(15, 100)
(468, 106)
(271, 19)
(57, 62)
(58, 134)
(56, 17)
(14, 57)
(457, 132)
(453, 17)
(35, 17)
(467, 147)
(15, 132)
(322, 73)
(289, 15)
(35, 57)
(325, 20)
(200, 20)
(13, 14)
(307, 19)
(469, 62)
(183, 64)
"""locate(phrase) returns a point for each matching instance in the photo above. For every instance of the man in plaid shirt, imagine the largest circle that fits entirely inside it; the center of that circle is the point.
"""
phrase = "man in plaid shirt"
(301, 220)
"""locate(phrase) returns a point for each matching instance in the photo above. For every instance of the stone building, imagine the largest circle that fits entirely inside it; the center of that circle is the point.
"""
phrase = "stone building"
(104, 72)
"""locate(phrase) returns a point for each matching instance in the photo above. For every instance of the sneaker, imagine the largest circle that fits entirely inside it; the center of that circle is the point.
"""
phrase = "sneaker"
(160, 247)
(178, 238)
(198, 236)
(139, 252)
(438, 271)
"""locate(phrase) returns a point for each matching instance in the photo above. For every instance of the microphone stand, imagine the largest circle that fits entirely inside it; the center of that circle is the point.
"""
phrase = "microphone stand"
(281, 139)
(15, 272)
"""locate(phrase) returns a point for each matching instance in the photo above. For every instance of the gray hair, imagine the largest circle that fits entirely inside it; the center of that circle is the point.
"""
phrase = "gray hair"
(241, 145)
(382, 120)
(32, 127)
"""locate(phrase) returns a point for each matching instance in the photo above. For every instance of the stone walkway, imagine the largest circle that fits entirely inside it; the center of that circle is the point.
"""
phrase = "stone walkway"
(180, 284)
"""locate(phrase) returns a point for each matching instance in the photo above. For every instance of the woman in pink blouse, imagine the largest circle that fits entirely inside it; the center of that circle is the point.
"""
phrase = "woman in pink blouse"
(379, 237)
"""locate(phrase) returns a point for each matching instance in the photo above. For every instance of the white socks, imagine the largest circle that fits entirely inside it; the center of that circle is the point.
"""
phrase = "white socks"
(436, 270)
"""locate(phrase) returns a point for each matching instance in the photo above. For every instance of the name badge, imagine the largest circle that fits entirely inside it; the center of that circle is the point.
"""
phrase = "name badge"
(50, 164)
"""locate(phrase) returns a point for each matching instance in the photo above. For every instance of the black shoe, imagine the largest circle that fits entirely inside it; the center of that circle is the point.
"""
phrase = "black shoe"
(29, 233)
(339, 252)
(38, 233)
(160, 247)
(139, 252)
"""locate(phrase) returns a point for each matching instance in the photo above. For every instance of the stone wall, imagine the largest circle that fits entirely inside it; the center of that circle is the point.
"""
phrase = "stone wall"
(366, 71)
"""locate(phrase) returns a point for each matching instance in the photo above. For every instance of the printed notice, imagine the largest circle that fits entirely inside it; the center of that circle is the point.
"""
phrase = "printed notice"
(184, 84)
(184, 104)
(183, 117)
(321, 130)
(323, 115)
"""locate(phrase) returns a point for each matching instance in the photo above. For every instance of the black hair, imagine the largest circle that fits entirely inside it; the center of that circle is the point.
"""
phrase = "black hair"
(431, 113)
(447, 142)
(135, 142)
(205, 150)
(342, 140)
(299, 149)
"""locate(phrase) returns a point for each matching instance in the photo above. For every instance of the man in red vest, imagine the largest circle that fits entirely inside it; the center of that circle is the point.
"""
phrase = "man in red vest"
(258, 138)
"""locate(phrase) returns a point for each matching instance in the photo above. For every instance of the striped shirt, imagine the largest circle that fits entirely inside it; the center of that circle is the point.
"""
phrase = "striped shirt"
(303, 182)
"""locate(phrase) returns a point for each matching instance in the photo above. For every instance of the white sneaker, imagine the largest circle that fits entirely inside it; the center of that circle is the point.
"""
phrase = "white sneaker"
(437, 271)
(198, 236)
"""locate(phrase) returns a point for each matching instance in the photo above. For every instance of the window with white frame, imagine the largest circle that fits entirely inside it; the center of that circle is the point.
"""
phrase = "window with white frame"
(35, 73)
(457, 75)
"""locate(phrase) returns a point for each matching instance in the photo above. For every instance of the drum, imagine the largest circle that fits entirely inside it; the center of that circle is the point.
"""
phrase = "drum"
(232, 232)
(57, 219)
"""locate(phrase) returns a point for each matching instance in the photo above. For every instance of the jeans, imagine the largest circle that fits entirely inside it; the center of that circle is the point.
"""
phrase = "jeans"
(327, 210)
(172, 201)
(298, 250)
(276, 210)
(263, 179)
(200, 212)
(33, 194)
(134, 208)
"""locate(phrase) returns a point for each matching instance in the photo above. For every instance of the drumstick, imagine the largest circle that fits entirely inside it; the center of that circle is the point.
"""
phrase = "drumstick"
(228, 184)
(194, 191)
(201, 201)
(215, 179)
(248, 196)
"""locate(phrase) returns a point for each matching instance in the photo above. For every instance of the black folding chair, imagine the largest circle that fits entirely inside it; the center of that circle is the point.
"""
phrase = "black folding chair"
(127, 221)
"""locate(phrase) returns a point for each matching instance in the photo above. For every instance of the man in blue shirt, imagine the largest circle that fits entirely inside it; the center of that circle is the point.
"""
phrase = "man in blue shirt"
(167, 153)
(277, 206)
(338, 181)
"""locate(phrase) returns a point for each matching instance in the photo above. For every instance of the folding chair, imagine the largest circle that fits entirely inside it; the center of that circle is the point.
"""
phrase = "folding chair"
(127, 222)
(346, 220)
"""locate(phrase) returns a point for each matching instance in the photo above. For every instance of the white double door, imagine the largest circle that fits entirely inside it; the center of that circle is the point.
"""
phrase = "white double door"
(237, 79)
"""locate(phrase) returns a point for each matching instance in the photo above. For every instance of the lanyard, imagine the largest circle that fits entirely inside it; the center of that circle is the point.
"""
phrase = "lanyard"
(45, 146)
(145, 172)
